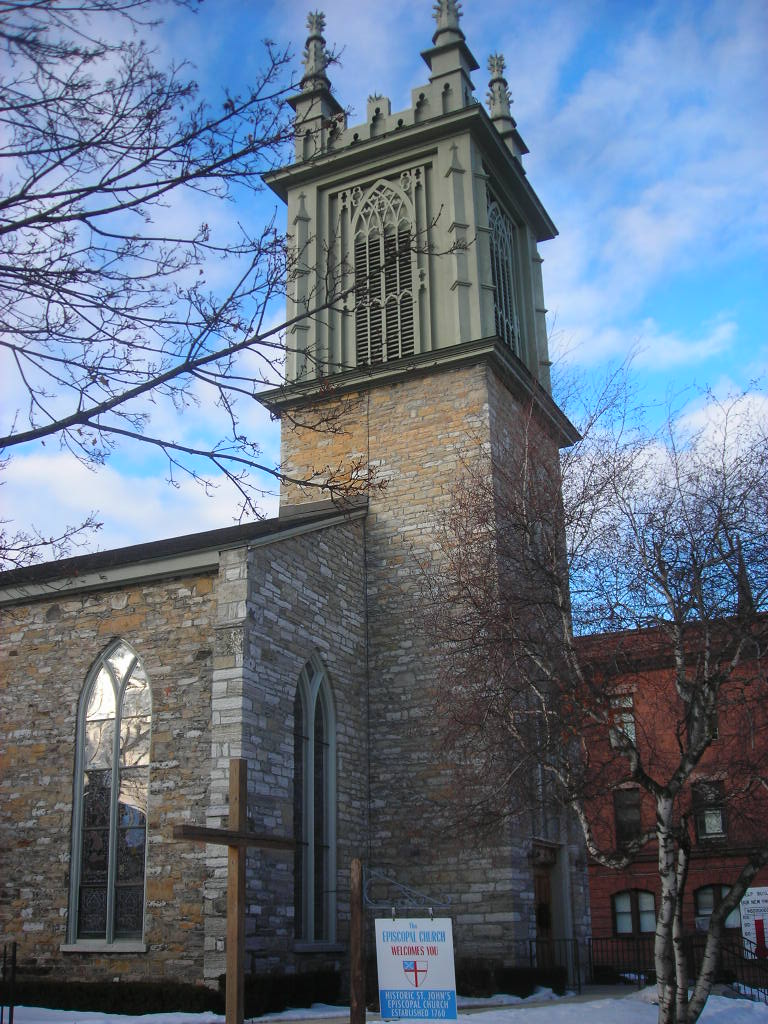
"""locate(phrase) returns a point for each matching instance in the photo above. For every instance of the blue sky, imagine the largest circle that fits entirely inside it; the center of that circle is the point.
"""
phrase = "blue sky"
(648, 146)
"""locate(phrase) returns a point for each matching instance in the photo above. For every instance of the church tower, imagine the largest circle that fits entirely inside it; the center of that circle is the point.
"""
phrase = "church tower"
(418, 336)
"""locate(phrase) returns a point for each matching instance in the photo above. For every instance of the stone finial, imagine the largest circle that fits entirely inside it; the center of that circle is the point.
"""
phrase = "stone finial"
(315, 58)
(498, 91)
(447, 14)
(496, 65)
(316, 23)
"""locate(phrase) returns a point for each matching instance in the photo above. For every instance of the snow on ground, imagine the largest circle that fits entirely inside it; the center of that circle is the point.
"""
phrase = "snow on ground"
(635, 1008)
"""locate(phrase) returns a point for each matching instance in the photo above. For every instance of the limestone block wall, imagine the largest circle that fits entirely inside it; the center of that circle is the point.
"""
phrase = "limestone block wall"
(46, 650)
(514, 428)
(289, 599)
(419, 435)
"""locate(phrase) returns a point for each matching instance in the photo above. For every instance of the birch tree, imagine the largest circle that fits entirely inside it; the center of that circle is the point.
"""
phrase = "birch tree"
(550, 575)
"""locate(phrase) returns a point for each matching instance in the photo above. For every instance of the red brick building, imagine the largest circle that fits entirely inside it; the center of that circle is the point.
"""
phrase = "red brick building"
(723, 805)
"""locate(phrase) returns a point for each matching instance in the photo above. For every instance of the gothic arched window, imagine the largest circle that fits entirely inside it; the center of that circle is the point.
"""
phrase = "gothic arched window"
(384, 299)
(109, 838)
(314, 806)
(504, 273)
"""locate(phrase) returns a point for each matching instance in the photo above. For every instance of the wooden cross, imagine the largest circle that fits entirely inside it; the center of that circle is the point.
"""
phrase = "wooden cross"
(237, 839)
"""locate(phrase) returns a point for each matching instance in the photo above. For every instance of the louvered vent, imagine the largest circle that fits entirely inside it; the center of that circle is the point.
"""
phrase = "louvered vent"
(503, 273)
(384, 314)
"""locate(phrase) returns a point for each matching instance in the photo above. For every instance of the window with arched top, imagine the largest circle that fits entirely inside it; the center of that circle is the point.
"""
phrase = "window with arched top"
(111, 791)
(384, 295)
(314, 806)
(504, 275)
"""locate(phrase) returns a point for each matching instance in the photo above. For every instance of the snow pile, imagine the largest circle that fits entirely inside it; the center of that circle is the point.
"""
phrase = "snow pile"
(634, 1008)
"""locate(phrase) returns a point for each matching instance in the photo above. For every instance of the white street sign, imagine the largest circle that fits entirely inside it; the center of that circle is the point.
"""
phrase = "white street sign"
(416, 974)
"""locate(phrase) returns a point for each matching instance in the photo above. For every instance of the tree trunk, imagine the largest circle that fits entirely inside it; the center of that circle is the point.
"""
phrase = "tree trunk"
(663, 952)
(678, 939)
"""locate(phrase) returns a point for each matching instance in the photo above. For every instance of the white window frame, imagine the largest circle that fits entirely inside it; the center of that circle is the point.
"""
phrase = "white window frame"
(709, 810)
(635, 911)
(623, 715)
(715, 898)
(313, 689)
(109, 941)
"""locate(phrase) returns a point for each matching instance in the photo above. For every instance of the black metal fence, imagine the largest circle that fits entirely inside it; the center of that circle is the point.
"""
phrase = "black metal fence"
(9, 982)
(550, 954)
(739, 965)
(627, 959)
(631, 959)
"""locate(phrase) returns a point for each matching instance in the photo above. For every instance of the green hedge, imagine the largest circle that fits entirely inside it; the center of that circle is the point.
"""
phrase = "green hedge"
(483, 978)
(130, 997)
(268, 993)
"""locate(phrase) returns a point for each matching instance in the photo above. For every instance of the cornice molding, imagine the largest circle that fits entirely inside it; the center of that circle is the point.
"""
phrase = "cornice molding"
(489, 350)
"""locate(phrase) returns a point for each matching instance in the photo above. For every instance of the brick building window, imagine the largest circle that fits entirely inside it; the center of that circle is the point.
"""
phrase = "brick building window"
(111, 791)
(623, 714)
(708, 810)
(314, 807)
(634, 912)
(627, 817)
(706, 900)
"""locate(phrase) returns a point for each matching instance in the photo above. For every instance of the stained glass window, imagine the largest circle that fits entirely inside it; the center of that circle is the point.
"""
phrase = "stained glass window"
(314, 782)
(111, 792)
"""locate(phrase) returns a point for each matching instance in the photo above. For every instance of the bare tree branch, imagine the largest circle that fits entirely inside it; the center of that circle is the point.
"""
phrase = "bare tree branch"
(632, 569)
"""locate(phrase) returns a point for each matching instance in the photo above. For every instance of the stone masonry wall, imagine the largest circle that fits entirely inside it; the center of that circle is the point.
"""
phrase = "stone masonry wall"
(419, 435)
(514, 427)
(291, 598)
(46, 652)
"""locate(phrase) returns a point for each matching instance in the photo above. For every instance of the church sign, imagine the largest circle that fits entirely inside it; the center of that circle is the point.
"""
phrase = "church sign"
(416, 974)
(754, 921)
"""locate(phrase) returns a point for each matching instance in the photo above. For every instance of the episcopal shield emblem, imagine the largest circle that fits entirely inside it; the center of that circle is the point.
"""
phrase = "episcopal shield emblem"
(415, 971)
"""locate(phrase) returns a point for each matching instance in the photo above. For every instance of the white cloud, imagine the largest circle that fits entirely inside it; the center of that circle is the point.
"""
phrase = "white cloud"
(728, 424)
(46, 491)
(656, 164)
(654, 348)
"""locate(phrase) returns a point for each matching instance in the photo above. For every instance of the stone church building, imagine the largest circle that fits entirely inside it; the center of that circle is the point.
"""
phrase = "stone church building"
(128, 678)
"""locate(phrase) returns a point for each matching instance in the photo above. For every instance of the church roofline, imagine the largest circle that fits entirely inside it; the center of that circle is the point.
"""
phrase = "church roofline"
(512, 371)
(339, 163)
(193, 552)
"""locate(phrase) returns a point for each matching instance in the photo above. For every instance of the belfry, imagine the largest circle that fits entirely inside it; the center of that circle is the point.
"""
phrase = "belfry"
(416, 238)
